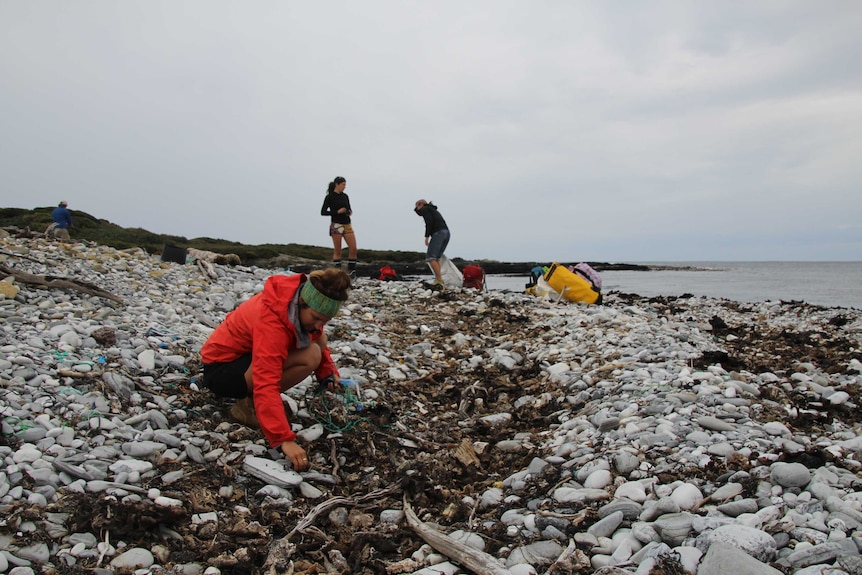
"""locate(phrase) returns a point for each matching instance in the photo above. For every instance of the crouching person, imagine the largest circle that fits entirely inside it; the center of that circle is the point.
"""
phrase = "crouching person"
(270, 343)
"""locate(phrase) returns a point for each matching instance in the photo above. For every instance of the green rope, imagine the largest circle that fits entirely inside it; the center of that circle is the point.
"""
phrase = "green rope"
(328, 423)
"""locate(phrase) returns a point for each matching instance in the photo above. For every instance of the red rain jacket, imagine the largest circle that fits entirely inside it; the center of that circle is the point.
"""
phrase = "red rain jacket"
(260, 326)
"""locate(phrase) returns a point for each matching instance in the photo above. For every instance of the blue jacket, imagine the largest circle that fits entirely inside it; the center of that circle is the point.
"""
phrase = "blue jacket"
(62, 217)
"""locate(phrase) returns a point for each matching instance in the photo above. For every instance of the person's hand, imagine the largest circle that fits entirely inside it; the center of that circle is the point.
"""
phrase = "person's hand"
(332, 383)
(426, 241)
(295, 454)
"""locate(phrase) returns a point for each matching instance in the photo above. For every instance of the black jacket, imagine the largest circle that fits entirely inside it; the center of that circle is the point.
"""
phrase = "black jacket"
(332, 204)
(434, 222)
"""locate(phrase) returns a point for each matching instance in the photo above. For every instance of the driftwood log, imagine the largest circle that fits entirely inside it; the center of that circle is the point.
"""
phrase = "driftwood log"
(207, 269)
(53, 282)
(476, 561)
(213, 257)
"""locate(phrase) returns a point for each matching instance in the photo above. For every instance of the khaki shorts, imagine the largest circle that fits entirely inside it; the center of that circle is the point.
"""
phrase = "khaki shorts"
(340, 229)
(61, 234)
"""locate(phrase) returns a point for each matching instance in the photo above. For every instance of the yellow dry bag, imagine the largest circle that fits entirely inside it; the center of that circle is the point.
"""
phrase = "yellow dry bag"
(570, 285)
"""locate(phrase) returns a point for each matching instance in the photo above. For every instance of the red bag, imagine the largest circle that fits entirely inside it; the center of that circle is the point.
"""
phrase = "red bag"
(387, 273)
(474, 277)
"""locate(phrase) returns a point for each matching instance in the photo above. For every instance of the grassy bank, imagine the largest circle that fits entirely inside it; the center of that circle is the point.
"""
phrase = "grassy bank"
(298, 257)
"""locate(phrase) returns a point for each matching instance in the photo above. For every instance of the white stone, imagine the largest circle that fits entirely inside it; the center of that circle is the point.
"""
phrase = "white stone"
(687, 496)
(790, 474)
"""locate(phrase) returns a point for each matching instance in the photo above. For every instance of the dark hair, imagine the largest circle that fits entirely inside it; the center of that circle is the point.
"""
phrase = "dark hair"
(333, 183)
(332, 282)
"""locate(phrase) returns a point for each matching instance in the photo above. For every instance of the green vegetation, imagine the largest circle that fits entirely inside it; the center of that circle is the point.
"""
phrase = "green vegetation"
(89, 228)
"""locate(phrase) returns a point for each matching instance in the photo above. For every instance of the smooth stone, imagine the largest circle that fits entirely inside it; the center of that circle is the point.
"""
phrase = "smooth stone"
(737, 508)
(821, 570)
(630, 509)
(655, 509)
(852, 564)
(673, 528)
(575, 495)
(823, 553)
(591, 467)
(598, 479)
(309, 491)
(633, 490)
(540, 553)
(625, 463)
(311, 434)
(143, 448)
(755, 542)
(776, 428)
(135, 558)
(722, 449)
(645, 533)
(468, 538)
(37, 552)
(512, 517)
(607, 526)
(492, 497)
(395, 517)
(687, 496)
(790, 474)
(444, 568)
(496, 419)
(726, 491)
(690, 557)
(721, 559)
(714, 423)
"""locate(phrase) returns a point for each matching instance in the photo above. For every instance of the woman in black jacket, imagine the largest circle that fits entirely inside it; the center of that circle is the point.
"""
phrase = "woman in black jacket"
(337, 206)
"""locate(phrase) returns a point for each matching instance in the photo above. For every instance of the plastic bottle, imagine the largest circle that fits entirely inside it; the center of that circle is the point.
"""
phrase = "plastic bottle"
(353, 386)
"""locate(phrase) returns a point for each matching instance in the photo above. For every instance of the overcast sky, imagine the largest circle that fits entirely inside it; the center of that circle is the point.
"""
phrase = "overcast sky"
(543, 130)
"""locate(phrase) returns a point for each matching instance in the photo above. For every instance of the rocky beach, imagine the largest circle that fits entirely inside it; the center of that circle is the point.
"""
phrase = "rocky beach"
(486, 432)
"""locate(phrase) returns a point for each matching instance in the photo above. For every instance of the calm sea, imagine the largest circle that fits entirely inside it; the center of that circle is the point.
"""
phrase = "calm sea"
(832, 284)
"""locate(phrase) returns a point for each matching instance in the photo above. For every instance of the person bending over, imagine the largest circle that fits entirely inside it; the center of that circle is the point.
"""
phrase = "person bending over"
(436, 236)
(270, 343)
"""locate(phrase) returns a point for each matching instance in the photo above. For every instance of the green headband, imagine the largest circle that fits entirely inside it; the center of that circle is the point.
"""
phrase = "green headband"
(319, 302)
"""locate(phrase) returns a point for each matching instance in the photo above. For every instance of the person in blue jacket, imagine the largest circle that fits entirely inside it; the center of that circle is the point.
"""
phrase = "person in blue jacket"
(62, 221)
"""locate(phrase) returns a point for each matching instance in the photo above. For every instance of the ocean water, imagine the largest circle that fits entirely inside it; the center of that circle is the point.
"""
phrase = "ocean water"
(831, 284)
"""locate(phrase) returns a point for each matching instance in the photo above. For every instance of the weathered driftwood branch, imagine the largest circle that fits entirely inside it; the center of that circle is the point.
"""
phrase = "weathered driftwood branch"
(207, 269)
(53, 282)
(571, 560)
(278, 560)
(476, 561)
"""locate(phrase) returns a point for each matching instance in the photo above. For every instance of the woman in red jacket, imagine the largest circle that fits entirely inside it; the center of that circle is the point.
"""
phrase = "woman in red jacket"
(270, 343)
